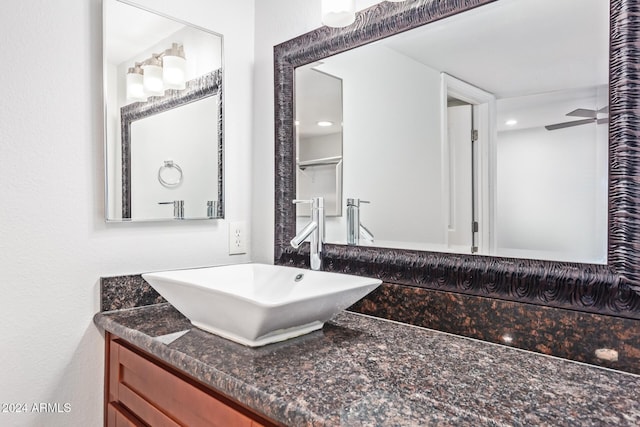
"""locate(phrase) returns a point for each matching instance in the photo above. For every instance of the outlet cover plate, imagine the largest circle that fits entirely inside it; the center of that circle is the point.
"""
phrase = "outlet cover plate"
(237, 238)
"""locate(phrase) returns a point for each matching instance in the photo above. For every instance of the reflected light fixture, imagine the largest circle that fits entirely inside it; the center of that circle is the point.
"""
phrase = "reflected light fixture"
(511, 122)
(324, 124)
(340, 13)
(152, 77)
(135, 86)
(174, 67)
(161, 71)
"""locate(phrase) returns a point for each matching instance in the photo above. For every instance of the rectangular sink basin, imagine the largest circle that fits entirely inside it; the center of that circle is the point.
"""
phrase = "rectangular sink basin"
(258, 304)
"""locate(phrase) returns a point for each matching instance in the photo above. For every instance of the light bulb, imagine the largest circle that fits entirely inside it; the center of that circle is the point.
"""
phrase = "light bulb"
(135, 86)
(153, 84)
(174, 68)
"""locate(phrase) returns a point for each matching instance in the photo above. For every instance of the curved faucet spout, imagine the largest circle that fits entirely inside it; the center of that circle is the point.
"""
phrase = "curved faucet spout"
(315, 230)
(303, 234)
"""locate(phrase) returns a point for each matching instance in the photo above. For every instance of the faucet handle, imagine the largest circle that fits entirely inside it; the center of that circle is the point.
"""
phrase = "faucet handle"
(356, 202)
(178, 208)
(316, 202)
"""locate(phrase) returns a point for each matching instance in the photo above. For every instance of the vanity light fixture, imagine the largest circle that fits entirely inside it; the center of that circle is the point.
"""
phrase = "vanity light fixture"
(338, 13)
(152, 76)
(161, 71)
(341, 13)
(135, 86)
(511, 122)
(174, 67)
(324, 124)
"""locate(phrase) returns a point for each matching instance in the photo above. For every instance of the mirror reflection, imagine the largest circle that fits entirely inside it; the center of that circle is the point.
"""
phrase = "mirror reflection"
(318, 139)
(163, 118)
(483, 133)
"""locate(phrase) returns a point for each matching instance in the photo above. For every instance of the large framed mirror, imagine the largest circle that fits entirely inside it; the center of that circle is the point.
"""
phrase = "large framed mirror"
(582, 120)
(506, 157)
(164, 133)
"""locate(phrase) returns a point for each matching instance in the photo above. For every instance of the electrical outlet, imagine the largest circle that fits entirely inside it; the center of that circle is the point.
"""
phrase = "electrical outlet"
(237, 238)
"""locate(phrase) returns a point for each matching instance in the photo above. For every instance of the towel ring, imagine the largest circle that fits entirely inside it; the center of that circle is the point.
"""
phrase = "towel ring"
(169, 183)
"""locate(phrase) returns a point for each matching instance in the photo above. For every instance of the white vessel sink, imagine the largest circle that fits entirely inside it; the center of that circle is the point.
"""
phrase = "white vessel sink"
(258, 304)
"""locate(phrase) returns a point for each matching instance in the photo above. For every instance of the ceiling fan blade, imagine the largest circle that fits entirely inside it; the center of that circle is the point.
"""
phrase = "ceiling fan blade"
(602, 121)
(604, 110)
(569, 124)
(583, 112)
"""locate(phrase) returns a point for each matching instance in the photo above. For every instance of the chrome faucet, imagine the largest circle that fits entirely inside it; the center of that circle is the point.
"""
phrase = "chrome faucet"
(315, 229)
(355, 229)
(178, 208)
(212, 208)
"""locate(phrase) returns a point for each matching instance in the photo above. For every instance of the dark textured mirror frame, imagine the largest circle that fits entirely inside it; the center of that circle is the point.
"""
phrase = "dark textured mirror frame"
(612, 289)
(199, 88)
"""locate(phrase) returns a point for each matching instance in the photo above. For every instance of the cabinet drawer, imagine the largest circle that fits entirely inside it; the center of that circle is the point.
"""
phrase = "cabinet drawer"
(117, 418)
(158, 397)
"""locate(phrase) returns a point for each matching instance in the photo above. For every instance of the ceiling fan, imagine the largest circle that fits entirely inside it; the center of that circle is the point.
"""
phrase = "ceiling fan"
(592, 116)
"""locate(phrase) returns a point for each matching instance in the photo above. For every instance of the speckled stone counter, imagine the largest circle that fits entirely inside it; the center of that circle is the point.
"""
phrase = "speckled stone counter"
(363, 371)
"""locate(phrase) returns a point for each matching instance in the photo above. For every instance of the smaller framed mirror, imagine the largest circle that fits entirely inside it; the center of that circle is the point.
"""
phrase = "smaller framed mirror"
(319, 136)
(163, 96)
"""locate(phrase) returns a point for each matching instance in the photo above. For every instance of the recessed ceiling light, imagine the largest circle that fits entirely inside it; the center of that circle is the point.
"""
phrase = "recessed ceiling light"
(511, 122)
(324, 124)
(297, 123)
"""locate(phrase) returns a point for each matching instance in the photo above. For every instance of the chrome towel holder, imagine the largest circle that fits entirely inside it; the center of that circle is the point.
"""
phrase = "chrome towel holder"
(166, 170)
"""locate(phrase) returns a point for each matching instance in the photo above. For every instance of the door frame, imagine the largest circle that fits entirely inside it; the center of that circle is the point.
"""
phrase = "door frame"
(485, 123)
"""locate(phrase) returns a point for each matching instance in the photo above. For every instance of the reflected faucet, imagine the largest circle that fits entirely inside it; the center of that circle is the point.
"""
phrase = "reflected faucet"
(315, 229)
(212, 208)
(355, 229)
(178, 208)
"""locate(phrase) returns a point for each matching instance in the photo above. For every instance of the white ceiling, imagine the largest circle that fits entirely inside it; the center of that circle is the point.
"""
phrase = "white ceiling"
(517, 47)
(541, 58)
(130, 30)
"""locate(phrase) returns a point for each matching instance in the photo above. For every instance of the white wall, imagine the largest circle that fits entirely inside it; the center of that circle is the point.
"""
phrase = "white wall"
(391, 135)
(320, 146)
(547, 207)
(276, 21)
(54, 243)
(187, 136)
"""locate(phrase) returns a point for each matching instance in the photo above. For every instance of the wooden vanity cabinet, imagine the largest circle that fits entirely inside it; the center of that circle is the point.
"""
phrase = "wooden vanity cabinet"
(141, 390)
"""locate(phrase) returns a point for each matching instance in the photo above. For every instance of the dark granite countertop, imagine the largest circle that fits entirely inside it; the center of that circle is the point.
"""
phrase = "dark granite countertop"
(363, 371)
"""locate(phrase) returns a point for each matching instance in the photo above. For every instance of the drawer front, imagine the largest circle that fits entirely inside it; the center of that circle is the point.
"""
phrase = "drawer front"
(160, 398)
(117, 418)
